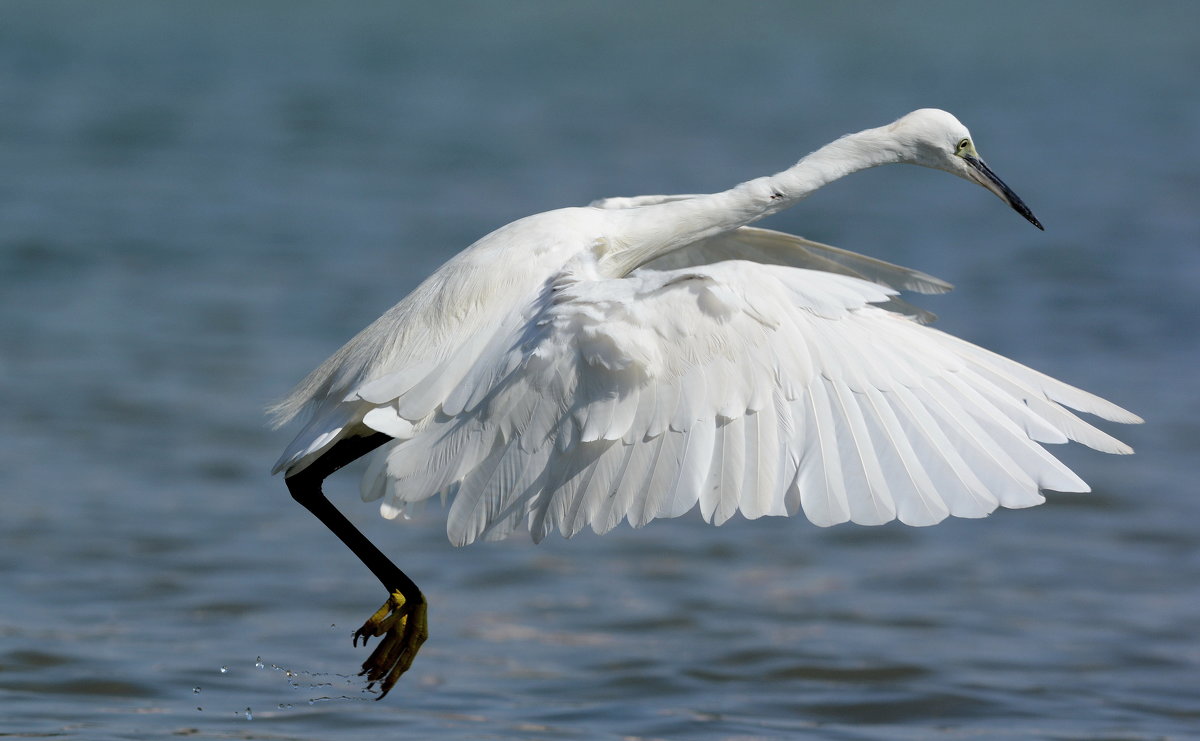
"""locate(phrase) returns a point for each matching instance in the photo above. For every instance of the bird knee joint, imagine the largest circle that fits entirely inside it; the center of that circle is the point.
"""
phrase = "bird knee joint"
(303, 487)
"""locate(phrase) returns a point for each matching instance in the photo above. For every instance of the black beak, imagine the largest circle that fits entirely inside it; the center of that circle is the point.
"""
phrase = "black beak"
(988, 179)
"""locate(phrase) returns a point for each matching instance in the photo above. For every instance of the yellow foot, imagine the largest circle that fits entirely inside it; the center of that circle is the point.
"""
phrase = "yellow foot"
(402, 623)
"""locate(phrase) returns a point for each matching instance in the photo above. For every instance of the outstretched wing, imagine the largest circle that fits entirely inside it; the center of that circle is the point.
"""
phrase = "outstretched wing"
(770, 247)
(735, 386)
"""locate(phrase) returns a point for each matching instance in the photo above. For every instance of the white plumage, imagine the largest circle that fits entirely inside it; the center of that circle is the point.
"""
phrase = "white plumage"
(640, 357)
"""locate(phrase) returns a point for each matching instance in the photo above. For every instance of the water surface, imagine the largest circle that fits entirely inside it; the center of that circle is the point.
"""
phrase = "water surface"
(199, 203)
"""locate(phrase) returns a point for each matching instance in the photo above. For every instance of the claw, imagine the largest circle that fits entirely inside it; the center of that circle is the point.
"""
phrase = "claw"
(373, 626)
(402, 621)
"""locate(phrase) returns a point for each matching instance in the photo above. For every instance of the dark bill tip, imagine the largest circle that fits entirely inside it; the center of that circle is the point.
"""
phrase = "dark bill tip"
(1020, 207)
(992, 182)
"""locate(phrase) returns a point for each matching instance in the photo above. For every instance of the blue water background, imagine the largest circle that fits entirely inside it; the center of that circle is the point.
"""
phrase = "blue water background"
(199, 202)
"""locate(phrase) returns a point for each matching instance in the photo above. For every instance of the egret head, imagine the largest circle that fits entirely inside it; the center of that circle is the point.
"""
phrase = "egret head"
(934, 138)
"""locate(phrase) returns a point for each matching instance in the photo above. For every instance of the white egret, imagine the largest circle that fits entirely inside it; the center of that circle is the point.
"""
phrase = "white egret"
(641, 356)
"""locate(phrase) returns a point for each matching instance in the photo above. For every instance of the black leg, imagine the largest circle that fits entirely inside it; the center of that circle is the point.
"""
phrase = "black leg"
(305, 487)
(402, 619)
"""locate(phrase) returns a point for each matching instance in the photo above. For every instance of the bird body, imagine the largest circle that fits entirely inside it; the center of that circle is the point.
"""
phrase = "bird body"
(642, 357)
(638, 357)
(451, 312)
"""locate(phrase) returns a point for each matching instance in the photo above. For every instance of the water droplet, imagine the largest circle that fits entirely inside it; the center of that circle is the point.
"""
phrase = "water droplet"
(258, 663)
(224, 670)
(249, 715)
(195, 690)
(285, 706)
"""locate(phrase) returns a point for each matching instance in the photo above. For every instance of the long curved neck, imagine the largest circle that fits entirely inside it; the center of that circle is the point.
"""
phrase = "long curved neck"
(652, 231)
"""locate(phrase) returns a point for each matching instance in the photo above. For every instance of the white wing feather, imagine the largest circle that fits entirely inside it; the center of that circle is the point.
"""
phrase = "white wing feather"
(770, 247)
(737, 386)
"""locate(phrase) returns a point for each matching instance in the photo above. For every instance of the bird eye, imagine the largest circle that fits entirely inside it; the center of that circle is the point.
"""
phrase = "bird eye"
(962, 145)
